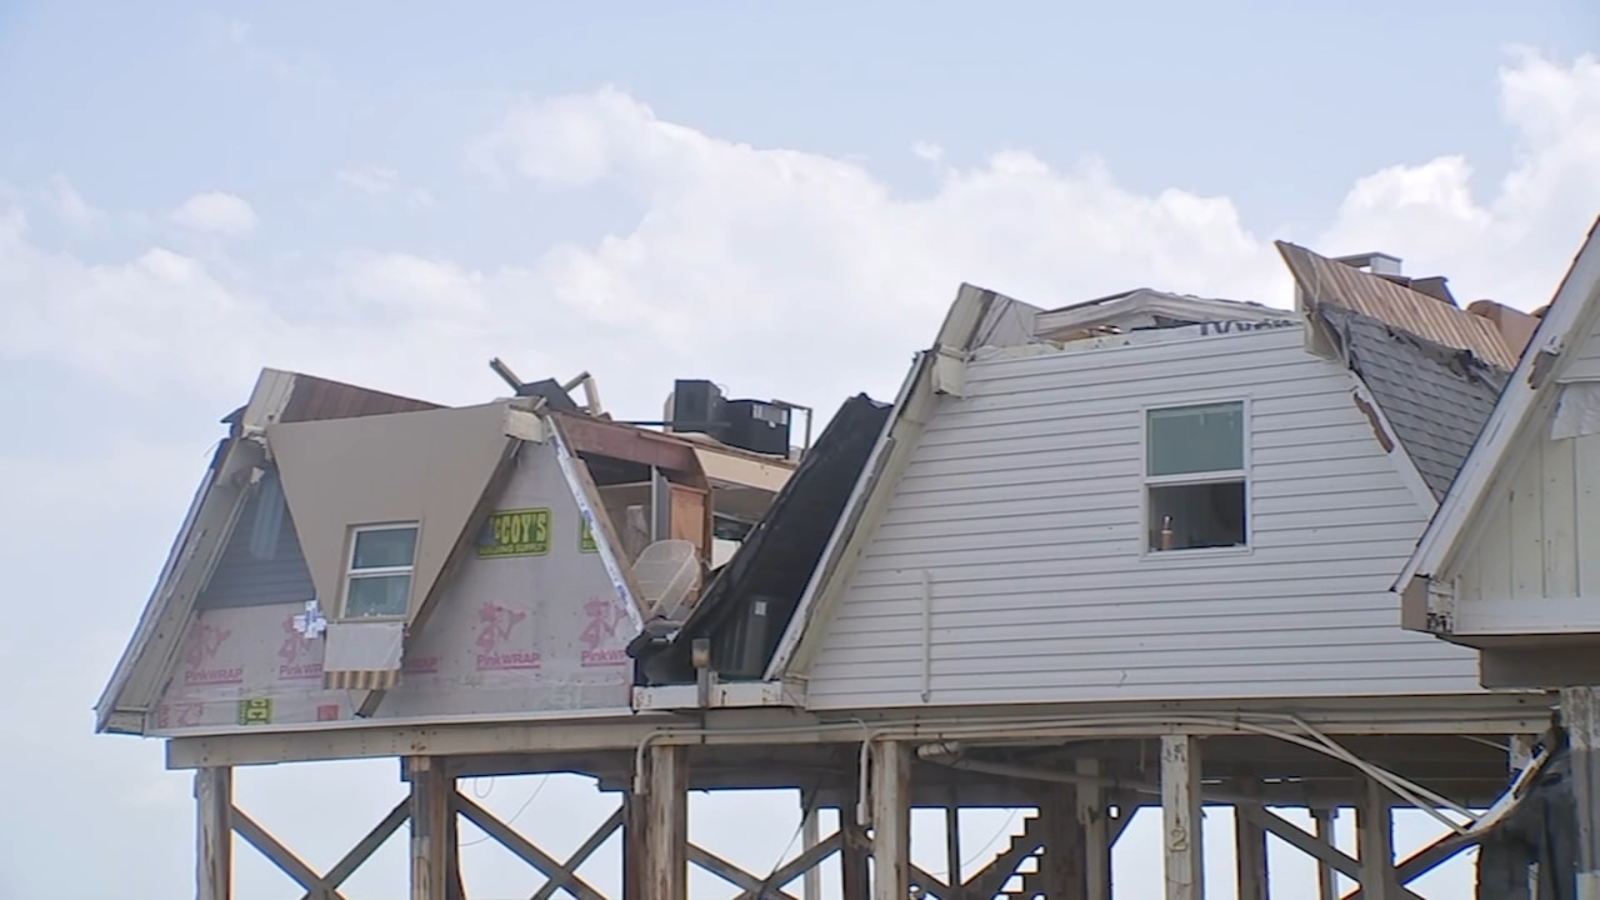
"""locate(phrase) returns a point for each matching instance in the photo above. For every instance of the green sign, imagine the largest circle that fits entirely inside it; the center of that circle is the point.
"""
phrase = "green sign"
(586, 542)
(516, 532)
(255, 711)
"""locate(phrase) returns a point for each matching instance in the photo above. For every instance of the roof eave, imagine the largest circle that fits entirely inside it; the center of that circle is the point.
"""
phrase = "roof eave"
(1574, 310)
(963, 327)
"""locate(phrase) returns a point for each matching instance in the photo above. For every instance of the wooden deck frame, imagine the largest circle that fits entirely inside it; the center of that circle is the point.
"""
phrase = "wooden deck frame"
(1082, 813)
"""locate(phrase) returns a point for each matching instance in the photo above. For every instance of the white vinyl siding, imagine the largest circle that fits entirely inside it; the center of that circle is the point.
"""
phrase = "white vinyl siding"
(1023, 503)
(1534, 562)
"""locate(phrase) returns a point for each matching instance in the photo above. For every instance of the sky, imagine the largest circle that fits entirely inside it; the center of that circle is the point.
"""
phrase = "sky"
(781, 199)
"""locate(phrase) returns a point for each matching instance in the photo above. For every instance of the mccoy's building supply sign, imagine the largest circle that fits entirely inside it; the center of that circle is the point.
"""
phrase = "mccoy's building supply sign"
(516, 532)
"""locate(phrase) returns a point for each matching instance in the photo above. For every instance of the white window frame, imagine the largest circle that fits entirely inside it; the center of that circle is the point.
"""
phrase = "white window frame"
(1148, 481)
(351, 573)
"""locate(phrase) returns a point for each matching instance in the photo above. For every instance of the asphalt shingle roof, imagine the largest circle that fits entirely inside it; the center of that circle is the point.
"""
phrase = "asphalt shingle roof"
(1437, 398)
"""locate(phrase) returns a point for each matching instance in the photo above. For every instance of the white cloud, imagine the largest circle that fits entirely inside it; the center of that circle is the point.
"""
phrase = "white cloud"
(216, 212)
(750, 264)
(421, 198)
(371, 179)
(777, 272)
(69, 206)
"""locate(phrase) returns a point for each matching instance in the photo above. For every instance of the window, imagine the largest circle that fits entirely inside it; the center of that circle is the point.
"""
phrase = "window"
(378, 582)
(1195, 477)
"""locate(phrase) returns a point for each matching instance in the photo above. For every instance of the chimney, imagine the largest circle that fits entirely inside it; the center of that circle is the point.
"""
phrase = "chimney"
(1375, 263)
(1516, 327)
(1434, 286)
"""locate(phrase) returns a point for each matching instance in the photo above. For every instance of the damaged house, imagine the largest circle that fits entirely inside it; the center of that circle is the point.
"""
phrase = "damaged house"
(1135, 553)
(355, 555)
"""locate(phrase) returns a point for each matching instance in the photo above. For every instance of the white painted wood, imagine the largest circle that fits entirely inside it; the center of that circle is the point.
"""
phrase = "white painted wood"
(1327, 878)
(213, 797)
(1180, 810)
(889, 768)
(1375, 834)
(1023, 501)
(1093, 814)
(1586, 472)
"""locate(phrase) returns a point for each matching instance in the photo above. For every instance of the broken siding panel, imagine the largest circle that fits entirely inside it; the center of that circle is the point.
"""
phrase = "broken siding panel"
(1023, 504)
(262, 564)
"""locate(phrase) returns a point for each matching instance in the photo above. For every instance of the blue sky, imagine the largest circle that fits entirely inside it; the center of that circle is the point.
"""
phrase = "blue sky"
(783, 200)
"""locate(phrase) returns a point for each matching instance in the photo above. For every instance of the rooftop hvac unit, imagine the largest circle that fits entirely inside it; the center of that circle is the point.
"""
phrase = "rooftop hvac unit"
(667, 572)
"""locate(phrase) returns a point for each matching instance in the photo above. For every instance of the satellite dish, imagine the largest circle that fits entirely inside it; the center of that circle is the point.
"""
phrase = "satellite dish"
(667, 572)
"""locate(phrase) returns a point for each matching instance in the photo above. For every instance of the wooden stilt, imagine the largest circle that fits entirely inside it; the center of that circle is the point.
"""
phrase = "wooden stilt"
(1250, 853)
(952, 847)
(666, 831)
(632, 845)
(431, 812)
(1061, 867)
(455, 888)
(811, 835)
(1180, 806)
(1375, 831)
(1327, 881)
(1093, 816)
(890, 772)
(853, 855)
(1580, 713)
(213, 797)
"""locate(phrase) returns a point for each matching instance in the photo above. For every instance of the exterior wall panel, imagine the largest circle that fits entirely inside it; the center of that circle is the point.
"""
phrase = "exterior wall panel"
(1023, 506)
(534, 633)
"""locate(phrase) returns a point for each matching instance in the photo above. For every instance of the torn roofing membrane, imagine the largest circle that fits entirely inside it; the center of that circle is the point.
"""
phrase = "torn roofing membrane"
(746, 607)
(1437, 398)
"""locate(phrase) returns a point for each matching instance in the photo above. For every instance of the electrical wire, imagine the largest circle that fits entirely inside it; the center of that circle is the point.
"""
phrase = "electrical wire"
(1004, 830)
(520, 810)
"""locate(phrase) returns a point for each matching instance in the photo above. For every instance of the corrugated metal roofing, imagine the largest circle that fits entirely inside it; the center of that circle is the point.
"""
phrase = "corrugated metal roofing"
(1325, 281)
(1436, 398)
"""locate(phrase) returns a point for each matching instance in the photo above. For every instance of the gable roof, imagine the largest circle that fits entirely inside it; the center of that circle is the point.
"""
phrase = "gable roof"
(1436, 398)
(977, 318)
(139, 677)
(1571, 316)
(1323, 281)
(1152, 304)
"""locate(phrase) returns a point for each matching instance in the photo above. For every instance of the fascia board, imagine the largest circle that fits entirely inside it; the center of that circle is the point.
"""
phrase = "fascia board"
(1573, 311)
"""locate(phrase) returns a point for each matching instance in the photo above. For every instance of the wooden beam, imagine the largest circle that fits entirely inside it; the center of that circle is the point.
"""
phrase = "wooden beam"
(666, 836)
(1375, 837)
(1309, 844)
(1424, 861)
(803, 864)
(952, 848)
(1327, 884)
(431, 810)
(629, 443)
(890, 772)
(853, 853)
(989, 880)
(525, 849)
(748, 884)
(1180, 807)
(281, 856)
(1580, 713)
(1093, 817)
(1061, 865)
(368, 845)
(632, 844)
(811, 836)
(213, 800)
(1250, 853)
(599, 836)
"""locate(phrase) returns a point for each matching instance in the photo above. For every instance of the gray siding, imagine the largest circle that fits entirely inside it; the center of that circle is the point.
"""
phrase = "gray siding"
(262, 563)
(1023, 506)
